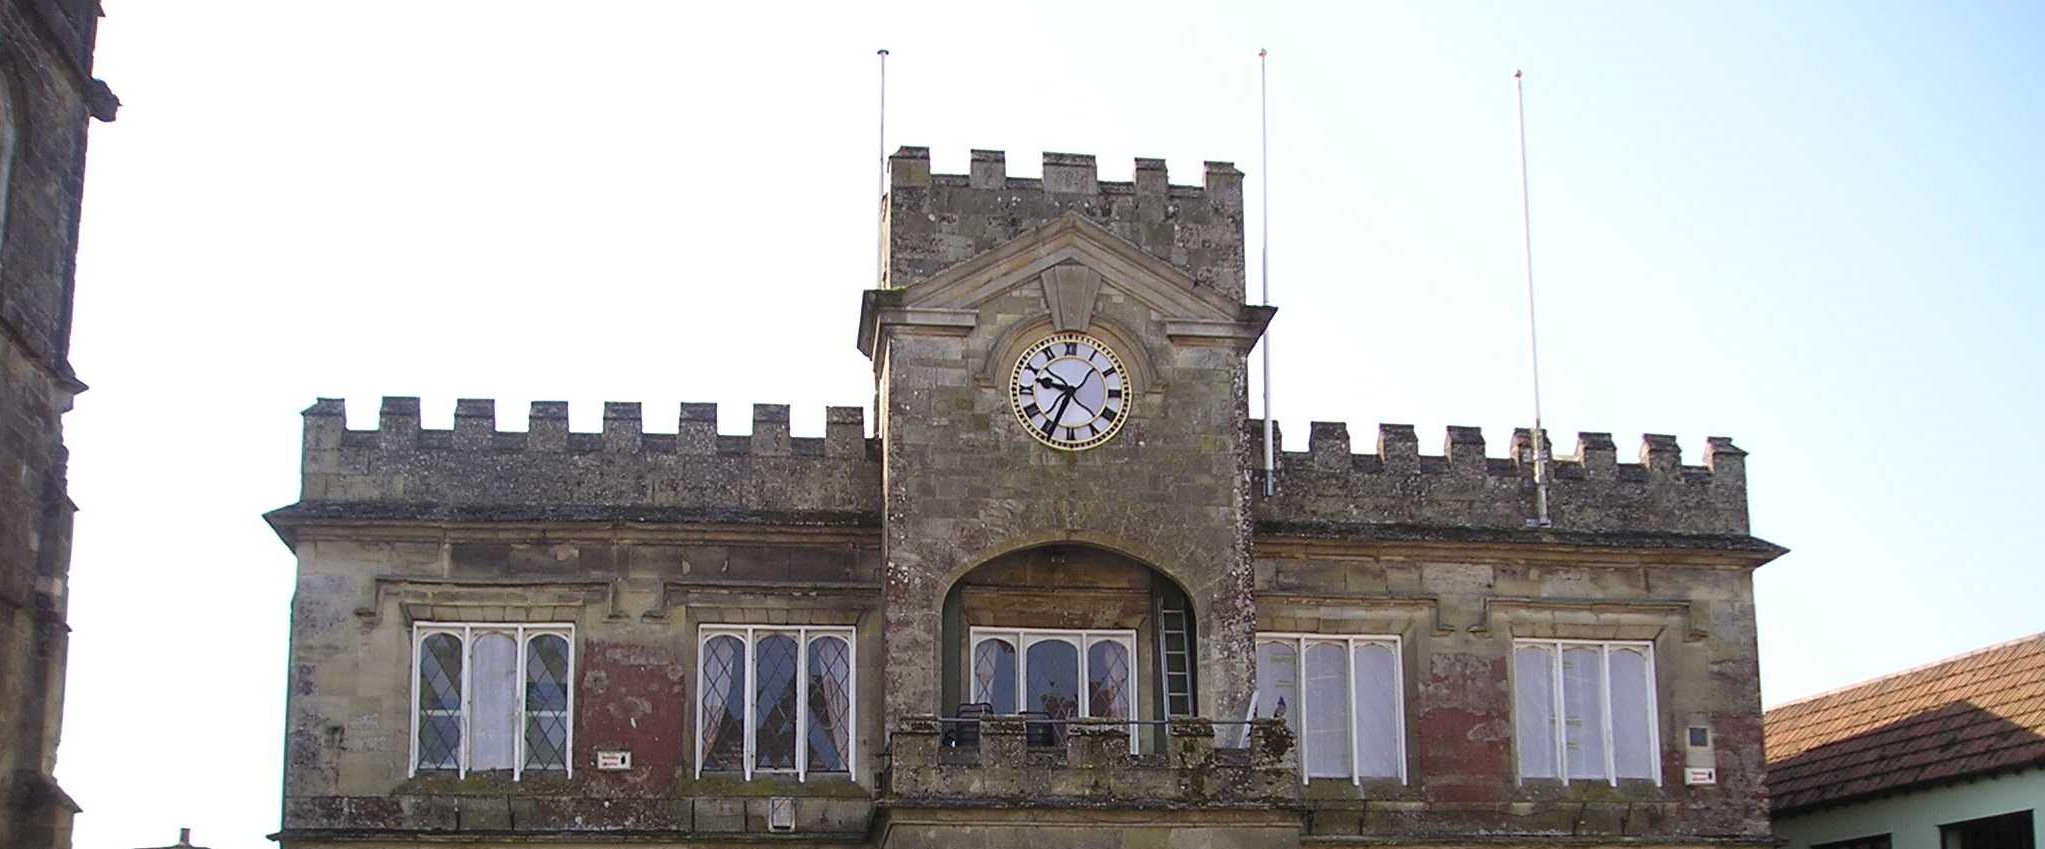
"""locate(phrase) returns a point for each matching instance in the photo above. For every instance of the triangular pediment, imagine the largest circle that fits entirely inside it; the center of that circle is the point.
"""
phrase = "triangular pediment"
(1071, 240)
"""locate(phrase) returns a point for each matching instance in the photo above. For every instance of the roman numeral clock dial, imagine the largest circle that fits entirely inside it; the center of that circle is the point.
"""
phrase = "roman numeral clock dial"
(1070, 392)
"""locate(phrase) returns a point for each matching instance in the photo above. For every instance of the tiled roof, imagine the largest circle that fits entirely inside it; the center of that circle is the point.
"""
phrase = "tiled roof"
(1978, 712)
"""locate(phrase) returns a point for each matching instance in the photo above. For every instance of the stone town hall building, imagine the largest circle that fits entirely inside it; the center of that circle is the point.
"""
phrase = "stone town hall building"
(1036, 608)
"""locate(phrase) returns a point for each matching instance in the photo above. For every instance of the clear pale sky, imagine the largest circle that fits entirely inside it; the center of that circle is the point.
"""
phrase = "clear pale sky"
(1814, 227)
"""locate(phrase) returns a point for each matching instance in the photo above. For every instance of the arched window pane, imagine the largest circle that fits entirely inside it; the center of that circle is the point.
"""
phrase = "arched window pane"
(724, 703)
(546, 702)
(1583, 711)
(829, 736)
(994, 674)
(1326, 712)
(494, 700)
(1376, 681)
(440, 701)
(1533, 711)
(1633, 754)
(1053, 685)
(1107, 685)
(1278, 683)
(774, 702)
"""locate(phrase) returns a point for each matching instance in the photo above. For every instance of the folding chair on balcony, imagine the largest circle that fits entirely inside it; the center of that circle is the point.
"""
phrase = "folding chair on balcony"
(963, 731)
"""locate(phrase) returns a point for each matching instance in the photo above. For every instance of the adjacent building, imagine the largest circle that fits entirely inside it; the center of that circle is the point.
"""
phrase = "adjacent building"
(1945, 756)
(48, 98)
(1051, 598)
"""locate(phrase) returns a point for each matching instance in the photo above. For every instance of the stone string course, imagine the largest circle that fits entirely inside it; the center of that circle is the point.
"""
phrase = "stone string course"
(771, 471)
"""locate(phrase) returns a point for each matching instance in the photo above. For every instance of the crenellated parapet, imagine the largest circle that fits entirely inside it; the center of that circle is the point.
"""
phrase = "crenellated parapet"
(936, 221)
(621, 472)
(1463, 487)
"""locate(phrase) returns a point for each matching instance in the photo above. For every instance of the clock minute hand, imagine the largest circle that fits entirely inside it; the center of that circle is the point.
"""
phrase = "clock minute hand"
(1057, 413)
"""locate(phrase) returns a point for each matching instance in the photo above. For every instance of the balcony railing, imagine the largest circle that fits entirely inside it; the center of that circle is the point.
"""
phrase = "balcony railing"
(1015, 761)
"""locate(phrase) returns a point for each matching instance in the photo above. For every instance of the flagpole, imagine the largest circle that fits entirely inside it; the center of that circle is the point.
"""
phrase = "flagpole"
(1264, 262)
(1539, 436)
(880, 227)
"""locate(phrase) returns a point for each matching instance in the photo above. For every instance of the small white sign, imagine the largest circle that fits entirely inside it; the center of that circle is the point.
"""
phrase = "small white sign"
(613, 760)
(1700, 775)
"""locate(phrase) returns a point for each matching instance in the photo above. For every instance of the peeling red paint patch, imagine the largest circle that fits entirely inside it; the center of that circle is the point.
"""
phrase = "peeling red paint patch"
(633, 698)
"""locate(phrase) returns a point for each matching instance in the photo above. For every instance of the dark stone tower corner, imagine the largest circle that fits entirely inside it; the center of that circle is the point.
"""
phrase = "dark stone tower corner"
(48, 99)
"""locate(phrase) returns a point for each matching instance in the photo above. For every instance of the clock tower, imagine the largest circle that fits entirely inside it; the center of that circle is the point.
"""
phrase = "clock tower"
(1061, 391)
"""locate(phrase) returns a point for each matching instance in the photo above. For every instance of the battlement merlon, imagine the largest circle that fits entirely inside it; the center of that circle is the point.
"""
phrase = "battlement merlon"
(936, 221)
(1590, 491)
(622, 472)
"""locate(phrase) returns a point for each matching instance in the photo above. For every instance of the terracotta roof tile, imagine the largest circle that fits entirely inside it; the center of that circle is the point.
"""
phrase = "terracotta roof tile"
(1977, 712)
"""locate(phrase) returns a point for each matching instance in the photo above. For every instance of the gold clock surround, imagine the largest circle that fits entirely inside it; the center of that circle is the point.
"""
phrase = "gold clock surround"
(1117, 403)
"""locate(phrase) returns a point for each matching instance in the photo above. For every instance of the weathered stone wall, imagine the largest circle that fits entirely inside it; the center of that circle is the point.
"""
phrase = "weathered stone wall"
(936, 221)
(47, 98)
(1326, 485)
(636, 598)
(639, 539)
(1457, 613)
(622, 473)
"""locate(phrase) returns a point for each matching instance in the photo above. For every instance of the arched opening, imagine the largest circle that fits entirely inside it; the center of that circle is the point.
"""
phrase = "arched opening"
(1069, 632)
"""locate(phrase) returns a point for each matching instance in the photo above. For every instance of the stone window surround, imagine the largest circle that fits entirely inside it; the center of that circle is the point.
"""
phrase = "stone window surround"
(749, 634)
(1299, 641)
(1559, 718)
(522, 633)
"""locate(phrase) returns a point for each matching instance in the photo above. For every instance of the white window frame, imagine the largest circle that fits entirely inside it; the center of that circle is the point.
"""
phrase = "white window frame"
(1023, 638)
(749, 634)
(520, 633)
(1559, 727)
(1299, 641)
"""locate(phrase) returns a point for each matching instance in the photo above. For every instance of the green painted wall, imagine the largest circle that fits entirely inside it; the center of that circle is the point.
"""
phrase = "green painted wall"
(1912, 819)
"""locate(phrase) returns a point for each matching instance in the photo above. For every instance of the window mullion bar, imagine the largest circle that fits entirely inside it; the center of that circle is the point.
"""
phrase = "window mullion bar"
(1085, 682)
(1299, 677)
(1605, 690)
(466, 701)
(1654, 720)
(1399, 704)
(568, 704)
(852, 706)
(801, 704)
(1355, 739)
(518, 722)
(413, 769)
(1561, 725)
(752, 685)
(702, 658)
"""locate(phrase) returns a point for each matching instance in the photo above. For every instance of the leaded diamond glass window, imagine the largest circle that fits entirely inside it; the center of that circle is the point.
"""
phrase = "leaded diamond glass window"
(994, 674)
(546, 702)
(493, 697)
(440, 701)
(774, 703)
(1107, 675)
(801, 681)
(1053, 675)
(830, 704)
(724, 703)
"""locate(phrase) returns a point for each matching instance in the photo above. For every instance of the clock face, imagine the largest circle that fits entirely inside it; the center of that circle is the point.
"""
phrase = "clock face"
(1070, 392)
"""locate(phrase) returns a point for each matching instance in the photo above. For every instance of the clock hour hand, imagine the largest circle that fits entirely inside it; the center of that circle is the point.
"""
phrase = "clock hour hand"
(1057, 413)
(1050, 380)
